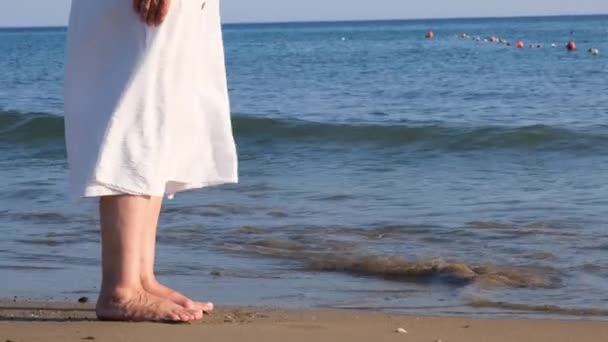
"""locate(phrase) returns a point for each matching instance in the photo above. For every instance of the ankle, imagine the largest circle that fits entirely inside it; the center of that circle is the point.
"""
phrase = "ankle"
(149, 282)
(118, 293)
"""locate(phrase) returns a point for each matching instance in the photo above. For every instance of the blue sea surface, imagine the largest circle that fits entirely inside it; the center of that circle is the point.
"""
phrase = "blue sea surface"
(379, 170)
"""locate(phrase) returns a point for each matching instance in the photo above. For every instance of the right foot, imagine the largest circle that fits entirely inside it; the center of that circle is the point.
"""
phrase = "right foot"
(140, 306)
(157, 289)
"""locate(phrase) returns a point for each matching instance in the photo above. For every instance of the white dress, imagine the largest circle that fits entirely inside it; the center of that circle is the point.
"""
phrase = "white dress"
(146, 108)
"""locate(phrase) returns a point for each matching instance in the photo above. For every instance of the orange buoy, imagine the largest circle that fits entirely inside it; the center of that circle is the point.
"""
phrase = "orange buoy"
(520, 45)
(430, 35)
(571, 46)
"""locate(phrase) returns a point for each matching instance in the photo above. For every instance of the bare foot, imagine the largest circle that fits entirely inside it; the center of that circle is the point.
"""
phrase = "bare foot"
(140, 306)
(160, 290)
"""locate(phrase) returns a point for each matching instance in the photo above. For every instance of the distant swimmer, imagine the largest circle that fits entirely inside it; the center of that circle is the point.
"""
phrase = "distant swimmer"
(594, 52)
(430, 35)
(553, 45)
(571, 46)
(539, 46)
(463, 35)
(493, 39)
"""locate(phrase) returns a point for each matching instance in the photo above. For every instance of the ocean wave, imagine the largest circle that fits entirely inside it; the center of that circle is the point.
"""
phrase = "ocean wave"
(334, 256)
(394, 268)
(547, 309)
(35, 128)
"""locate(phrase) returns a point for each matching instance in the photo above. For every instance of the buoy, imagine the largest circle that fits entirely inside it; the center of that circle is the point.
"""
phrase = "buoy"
(430, 35)
(520, 45)
(594, 52)
(571, 46)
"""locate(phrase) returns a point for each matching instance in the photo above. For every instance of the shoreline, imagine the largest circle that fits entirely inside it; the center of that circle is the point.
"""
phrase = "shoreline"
(55, 322)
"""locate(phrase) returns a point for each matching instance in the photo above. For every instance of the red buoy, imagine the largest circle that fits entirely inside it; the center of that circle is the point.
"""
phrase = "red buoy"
(430, 35)
(571, 46)
(520, 45)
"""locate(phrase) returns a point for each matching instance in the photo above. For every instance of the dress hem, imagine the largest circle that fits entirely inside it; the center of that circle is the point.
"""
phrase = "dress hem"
(94, 190)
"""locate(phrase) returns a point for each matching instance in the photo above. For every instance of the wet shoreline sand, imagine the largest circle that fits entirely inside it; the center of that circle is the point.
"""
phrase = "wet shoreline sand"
(50, 322)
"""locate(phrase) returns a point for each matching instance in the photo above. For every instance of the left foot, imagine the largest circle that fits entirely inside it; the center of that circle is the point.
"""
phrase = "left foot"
(157, 289)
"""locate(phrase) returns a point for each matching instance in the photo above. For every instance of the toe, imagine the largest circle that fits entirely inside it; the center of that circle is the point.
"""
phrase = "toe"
(198, 315)
(188, 304)
(200, 306)
(184, 316)
(179, 314)
(208, 307)
(194, 314)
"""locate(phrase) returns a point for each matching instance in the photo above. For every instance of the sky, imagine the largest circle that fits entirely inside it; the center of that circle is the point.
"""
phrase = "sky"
(55, 12)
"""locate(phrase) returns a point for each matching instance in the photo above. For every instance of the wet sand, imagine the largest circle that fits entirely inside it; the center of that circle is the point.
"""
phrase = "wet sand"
(50, 322)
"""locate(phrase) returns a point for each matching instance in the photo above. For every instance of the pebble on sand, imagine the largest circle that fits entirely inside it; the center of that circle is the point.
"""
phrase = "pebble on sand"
(401, 331)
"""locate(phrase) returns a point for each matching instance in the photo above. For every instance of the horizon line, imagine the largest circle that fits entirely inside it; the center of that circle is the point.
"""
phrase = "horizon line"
(321, 21)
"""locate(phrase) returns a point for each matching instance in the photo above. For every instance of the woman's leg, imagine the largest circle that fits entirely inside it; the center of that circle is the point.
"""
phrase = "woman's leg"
(148, 278)
(122, 297)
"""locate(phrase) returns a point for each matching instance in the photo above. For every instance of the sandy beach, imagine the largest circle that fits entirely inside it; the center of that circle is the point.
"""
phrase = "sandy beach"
(52, 322)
